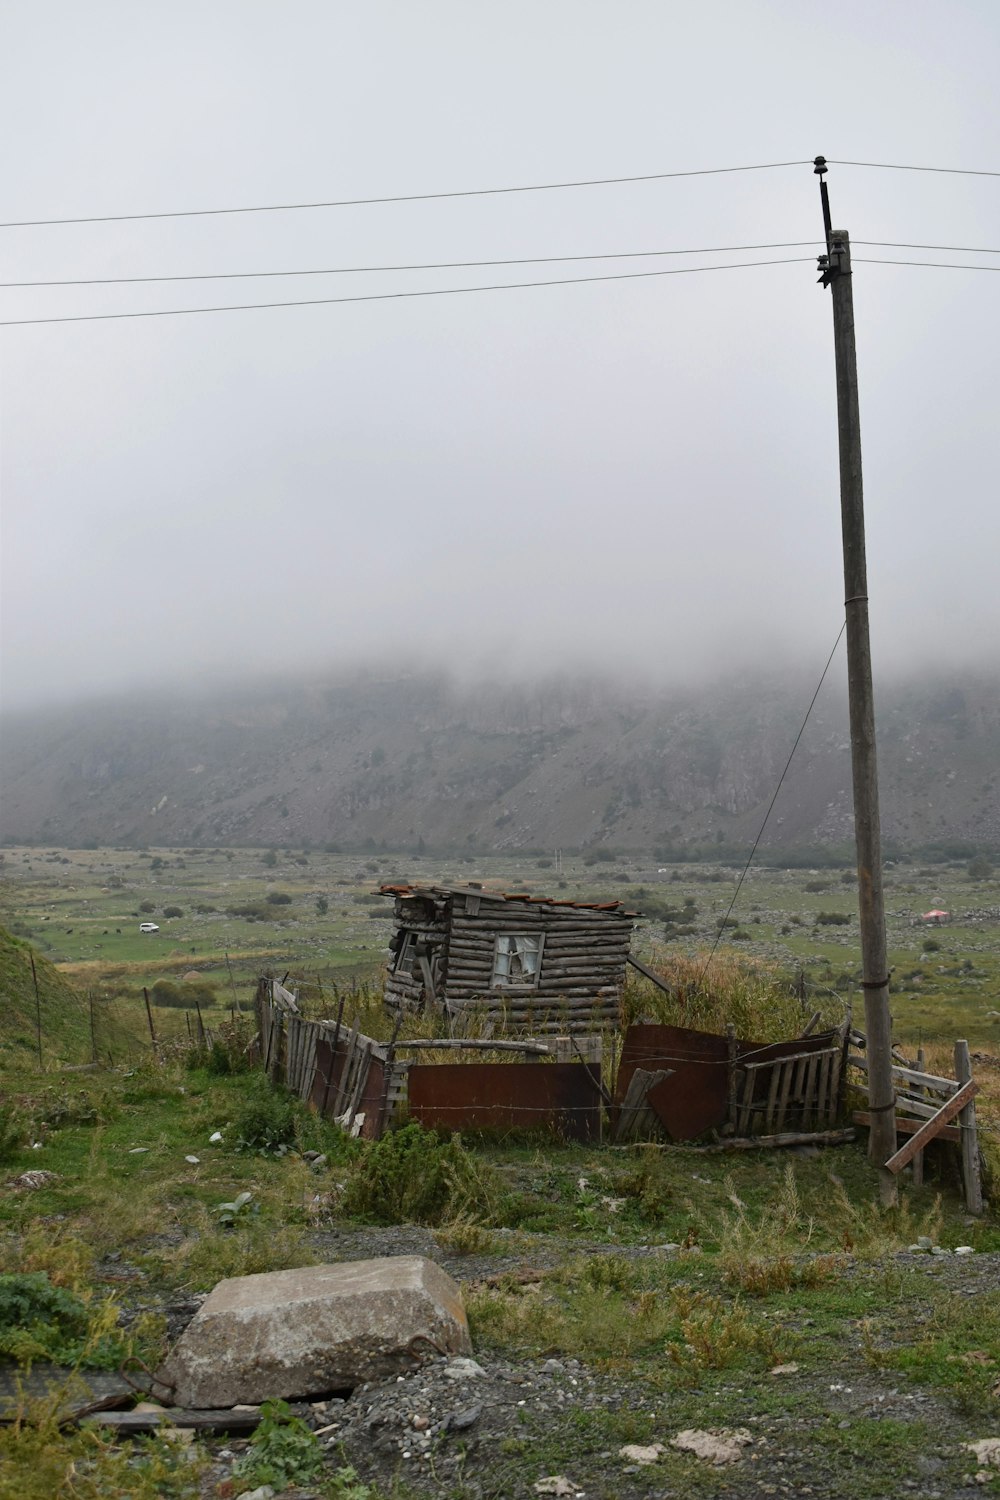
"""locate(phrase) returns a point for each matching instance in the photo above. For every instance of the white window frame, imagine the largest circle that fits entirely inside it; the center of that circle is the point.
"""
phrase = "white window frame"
(525, 944)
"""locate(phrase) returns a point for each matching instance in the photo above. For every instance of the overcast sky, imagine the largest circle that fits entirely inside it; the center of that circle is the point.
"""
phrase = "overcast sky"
(643, 470)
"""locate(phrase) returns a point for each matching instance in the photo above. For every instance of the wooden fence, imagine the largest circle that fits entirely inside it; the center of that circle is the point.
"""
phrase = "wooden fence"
(363, 1085)
(926, 1107)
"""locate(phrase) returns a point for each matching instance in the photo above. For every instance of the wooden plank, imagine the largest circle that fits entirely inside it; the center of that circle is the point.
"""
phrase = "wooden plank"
(793, 1057)
(824, 1116)
(910, 1075)
(746, 1103)
(786, 1089)
(809, 1093)
(668, 989)
(971, 1179)
(928, 1131)
(634, 1107)
(777, 1070)
(918, 1160)
(786, 1138)
(910, 1127)
(132, 1423)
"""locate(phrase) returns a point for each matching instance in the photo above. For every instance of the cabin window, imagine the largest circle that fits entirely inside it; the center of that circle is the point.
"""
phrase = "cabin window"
(517, 959)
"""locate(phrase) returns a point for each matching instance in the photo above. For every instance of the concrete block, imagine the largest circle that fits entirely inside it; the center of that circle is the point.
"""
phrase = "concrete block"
(300, 1333)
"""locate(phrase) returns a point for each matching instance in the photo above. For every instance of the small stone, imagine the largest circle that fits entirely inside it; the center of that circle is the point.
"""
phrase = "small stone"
(460, 1421)
(463, 1369)
(263, 1492)
(310, 1155)
(637, 1454)
(789, 1369)
(138, 1150)
(318, 1163)
(215, 1138)
(194, 1160)
(940, 1250)
(964, 1250)
(720, 1447)
(924, 1242)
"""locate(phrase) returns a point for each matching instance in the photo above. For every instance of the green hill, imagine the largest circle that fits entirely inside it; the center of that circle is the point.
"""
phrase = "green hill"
(65, 1018)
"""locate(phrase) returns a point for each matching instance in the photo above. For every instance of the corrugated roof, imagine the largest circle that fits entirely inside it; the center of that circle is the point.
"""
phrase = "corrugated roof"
(445, 892)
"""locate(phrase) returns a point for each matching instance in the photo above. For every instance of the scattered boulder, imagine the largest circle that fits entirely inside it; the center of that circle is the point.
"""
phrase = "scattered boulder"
(313, 1330)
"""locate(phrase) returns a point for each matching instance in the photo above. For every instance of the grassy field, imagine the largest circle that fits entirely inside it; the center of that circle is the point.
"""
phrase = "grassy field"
(82, 909)
(772, 1262)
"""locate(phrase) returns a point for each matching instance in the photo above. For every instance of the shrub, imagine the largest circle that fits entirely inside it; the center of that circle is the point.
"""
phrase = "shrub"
(278, 898)
(832, 918)
(270, 859)
(412, 1177)
(322, 906)
(979, 868)
(267, 1119)
(147, 906)
(166, 992)
(42, 1321)
(283, 1451)
(173, 911)
(931, 945)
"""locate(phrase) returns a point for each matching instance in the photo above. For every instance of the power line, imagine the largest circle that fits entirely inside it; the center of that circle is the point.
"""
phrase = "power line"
(444, 265)
(444, 291)
(770, 808)
(937, 265)
(907, 245)
(458, 265)
(895, 166)
(531, 187)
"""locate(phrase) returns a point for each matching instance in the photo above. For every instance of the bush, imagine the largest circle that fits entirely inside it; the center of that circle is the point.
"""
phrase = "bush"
(322, 906)
(147, 906)
(267, 1118)
(411, 1176)
(979, 868)
(42, 1321)
(173, 911)
(832, 918)
(931, 945)
(278, 898)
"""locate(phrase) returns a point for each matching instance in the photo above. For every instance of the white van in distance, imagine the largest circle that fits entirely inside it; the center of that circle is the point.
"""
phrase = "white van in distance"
(148, 927)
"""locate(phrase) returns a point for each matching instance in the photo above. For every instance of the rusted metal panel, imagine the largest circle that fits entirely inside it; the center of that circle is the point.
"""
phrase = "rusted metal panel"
(695, 1097)
(560, 1097)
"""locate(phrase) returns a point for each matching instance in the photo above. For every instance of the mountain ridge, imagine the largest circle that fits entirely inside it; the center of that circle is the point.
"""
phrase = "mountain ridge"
(397, 760)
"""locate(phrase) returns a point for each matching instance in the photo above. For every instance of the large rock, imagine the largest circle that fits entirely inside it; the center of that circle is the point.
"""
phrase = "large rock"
(322, 1328)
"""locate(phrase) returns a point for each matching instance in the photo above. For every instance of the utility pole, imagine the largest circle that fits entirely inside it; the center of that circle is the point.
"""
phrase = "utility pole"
(836, 274)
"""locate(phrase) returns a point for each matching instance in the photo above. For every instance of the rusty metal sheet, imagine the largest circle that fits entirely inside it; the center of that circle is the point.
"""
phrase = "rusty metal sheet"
(326, 1067)
(695, 1097)
(563, 1098)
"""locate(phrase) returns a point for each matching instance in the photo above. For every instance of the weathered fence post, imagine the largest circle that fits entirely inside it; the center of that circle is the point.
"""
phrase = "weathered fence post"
(971, 1179)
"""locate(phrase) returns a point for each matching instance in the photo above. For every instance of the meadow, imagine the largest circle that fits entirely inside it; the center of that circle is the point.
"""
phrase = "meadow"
(226, 915)
(669, 1288)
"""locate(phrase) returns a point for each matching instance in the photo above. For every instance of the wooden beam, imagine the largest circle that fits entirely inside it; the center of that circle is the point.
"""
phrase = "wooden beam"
(944, 1116)
(650, 974)
(910, 1127)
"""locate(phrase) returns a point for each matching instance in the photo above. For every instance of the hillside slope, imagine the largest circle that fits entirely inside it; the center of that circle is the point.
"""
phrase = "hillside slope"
(390, 761)
(64, 1016)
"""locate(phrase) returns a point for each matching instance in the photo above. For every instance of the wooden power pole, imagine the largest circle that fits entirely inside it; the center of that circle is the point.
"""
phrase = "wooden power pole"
(836, 269)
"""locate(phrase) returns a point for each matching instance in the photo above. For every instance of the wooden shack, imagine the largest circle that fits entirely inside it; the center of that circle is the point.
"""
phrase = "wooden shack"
(529, 961)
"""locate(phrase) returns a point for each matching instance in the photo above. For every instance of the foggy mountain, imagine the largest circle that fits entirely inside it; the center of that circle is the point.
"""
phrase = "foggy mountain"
(407, 761)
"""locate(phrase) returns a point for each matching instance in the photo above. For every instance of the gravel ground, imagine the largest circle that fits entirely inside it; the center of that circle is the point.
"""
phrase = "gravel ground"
(496, 1427)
